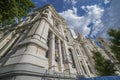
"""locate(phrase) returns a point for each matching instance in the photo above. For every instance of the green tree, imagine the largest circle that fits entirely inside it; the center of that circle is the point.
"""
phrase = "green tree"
(104, 67)
(115, 39)
(10, 9)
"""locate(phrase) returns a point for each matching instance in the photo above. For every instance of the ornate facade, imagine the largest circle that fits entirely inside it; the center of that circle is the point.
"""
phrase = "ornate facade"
(43, 46)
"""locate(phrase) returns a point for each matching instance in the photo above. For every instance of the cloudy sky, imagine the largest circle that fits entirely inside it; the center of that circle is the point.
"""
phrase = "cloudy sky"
(92, 18)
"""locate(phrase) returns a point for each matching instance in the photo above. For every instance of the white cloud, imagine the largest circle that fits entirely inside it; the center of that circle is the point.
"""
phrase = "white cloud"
(74, 21)
(94, 14)
(80, 23)
(71, 1)
(106, 1)
(75, 10)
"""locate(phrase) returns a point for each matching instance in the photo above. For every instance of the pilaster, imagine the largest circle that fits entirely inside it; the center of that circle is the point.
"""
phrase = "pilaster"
(60, 55)
(76, 61)
(52, 51)
(67, 55)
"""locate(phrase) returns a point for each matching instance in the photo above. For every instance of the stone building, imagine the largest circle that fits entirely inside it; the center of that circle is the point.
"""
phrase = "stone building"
(105, 46)
(42, 46)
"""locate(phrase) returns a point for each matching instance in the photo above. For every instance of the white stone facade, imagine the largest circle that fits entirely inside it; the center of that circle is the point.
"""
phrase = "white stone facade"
(43, 43)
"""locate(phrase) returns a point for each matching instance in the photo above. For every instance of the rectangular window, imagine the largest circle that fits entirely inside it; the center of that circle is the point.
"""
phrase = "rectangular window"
(84, 69)
(90, 69)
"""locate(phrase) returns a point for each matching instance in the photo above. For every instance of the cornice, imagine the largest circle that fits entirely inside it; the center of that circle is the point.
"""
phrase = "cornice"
(54, 12)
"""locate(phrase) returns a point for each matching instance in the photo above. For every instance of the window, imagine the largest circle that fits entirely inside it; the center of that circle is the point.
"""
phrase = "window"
(77, 51)
(72, 59)
(63, 52)
(82, 52)
(67, 39)
(102, 40)
(56, 43)
(48, 39)
(90, 69)
(56, 56)
(84, 69)
(113, 57)
(56, 25)
(47, 54)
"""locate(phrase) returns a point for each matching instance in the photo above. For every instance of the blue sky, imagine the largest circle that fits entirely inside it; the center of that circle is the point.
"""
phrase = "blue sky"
(92, 18)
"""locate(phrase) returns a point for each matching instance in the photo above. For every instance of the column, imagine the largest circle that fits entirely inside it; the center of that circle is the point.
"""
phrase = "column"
(44, 33)
(76, 59)
(67, 55)
(52, 51)
(39, 29)
(60, 55)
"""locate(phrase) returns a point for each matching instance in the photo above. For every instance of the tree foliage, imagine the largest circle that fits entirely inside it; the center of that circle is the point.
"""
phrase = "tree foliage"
(115, 39)
(104, 67)
(10, 9)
